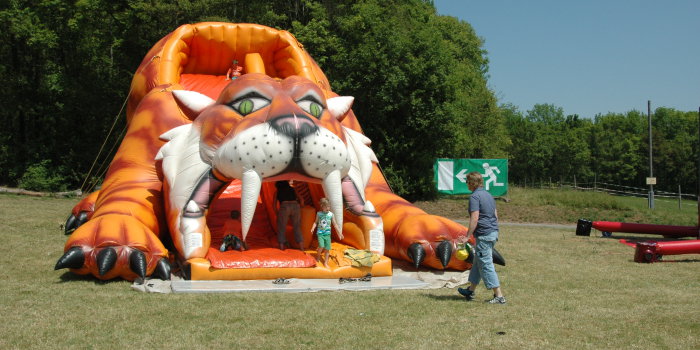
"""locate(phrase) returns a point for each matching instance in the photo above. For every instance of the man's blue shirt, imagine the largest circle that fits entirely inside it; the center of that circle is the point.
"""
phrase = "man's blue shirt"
(484, 203)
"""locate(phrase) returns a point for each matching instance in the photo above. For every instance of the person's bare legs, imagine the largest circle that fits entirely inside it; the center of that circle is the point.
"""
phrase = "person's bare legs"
(326, 255)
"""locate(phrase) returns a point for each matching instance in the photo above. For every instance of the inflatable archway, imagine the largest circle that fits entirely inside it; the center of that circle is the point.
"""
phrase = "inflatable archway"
(203, 142)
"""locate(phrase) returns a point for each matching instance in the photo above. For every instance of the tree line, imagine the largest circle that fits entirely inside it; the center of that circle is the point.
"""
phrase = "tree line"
(612, 147)
(419, 81)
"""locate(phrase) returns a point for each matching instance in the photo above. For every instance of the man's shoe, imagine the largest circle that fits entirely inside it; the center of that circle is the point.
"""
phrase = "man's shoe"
(468, 294)
(497, 300)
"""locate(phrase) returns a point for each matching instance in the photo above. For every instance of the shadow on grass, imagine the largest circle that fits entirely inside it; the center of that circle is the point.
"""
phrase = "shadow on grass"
(664, 260)
(654, 238)
(71, 277)
(444, 297)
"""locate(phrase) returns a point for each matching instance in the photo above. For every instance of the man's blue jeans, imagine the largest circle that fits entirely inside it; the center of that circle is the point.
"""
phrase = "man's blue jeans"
(482, 267)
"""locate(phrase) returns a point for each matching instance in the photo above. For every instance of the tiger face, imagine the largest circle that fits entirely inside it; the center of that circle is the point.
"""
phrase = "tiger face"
(275, 129)
(260, 129)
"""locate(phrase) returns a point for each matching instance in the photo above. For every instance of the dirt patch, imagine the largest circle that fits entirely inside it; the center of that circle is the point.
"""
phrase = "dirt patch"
(511, 211)
(449, 208)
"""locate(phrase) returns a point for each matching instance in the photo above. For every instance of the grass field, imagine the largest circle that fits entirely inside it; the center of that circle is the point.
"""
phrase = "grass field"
(564, 292)
(567, 206)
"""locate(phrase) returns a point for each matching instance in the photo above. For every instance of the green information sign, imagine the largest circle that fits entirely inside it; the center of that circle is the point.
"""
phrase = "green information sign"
(451, 175)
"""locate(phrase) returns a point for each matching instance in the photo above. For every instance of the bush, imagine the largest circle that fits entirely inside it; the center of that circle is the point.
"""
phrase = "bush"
(41, 177)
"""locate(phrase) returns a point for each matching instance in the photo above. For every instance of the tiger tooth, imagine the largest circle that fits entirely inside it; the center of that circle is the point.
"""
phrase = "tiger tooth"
(369, 207)
(332, 187)
(250, 190)
(192, 207)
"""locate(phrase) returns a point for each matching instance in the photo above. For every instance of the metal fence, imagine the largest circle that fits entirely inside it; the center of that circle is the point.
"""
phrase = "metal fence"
(615, 189)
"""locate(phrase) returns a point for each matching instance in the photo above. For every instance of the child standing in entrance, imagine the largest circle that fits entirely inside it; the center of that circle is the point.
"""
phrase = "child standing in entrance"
(324, 218)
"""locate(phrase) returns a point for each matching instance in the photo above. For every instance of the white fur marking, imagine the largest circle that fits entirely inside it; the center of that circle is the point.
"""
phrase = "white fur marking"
(338, 106)
(195, 101)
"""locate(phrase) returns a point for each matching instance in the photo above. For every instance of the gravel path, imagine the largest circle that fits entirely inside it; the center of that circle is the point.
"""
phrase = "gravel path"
(559, 226)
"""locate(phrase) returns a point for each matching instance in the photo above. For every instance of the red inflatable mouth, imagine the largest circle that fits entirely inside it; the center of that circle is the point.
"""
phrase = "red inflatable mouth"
(263, 248)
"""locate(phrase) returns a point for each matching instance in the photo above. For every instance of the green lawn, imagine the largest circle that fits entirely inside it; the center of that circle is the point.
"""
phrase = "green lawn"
(567, 206)
(564, 292)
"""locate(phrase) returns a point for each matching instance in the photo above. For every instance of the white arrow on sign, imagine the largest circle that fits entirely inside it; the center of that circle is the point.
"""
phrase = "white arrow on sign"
(462, 176)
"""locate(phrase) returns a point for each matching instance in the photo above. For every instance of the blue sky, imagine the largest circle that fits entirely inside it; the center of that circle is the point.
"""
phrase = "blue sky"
(591, 56)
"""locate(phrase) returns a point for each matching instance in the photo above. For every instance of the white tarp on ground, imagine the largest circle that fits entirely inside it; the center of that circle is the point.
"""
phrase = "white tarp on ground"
(434, 278)
(404, 277)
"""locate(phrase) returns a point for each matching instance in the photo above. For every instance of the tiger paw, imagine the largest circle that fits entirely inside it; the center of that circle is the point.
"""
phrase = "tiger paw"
(81, 213)
(115, 245)
(431, 241)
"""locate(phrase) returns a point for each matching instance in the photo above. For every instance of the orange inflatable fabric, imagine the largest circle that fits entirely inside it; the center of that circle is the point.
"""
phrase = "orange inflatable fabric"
(201, 157)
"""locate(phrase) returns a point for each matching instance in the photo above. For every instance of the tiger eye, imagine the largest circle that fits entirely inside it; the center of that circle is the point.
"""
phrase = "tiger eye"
(246, 107)
(315, 110)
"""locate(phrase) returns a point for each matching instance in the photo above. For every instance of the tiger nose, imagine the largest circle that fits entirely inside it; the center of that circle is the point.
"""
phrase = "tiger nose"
(293, 125)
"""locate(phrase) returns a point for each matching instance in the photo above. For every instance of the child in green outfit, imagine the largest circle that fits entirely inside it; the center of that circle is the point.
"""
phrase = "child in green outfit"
(324, 218)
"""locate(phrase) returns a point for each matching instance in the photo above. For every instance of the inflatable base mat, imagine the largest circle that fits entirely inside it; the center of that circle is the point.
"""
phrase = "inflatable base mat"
(201, 269)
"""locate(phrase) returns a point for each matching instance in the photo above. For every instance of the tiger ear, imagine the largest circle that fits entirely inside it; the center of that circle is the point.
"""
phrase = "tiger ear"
(191, 102)
(339, 106)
